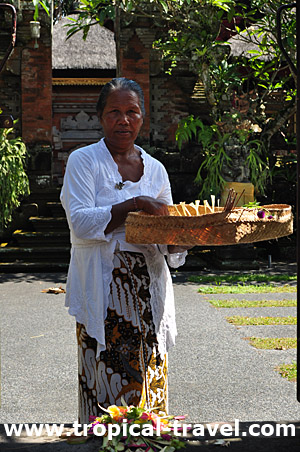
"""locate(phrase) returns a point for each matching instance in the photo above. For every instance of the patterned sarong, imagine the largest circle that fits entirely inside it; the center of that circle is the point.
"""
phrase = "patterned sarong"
(130, 367)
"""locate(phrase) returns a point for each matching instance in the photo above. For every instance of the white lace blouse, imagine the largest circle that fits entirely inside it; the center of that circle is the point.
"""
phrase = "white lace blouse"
(87, 195)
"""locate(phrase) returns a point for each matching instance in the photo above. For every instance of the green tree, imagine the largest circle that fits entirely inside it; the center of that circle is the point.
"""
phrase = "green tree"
(13, 179)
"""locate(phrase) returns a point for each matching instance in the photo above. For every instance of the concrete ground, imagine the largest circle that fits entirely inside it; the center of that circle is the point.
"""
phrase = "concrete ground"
(214, 374)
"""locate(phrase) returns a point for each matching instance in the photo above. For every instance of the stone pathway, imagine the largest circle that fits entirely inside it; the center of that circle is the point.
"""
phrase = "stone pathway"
(215, 375)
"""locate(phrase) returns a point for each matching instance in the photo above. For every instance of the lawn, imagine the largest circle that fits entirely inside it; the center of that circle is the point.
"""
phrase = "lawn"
(253, 303)
(273, 343)
(243, 320)
(288, 371)
(253, 288)
(240, 278)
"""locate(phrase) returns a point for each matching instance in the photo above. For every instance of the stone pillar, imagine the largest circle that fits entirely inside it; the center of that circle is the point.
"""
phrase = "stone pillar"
(36, 82)
(36, 88)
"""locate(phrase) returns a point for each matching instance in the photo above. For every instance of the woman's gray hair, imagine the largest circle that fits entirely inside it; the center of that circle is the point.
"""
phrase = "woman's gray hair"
(121, 83)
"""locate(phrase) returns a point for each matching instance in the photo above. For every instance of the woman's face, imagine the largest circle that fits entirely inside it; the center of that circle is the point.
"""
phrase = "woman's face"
(121, 119)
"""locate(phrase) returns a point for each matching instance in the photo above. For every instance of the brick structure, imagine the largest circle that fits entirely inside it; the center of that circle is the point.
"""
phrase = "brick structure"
(26, 80)
(167, 98)
(56, 105)
(26, 89)
(53, 94)
(36, 97)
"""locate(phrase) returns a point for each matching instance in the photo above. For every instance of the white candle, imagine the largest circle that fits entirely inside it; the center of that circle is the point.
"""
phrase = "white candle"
(213, 198)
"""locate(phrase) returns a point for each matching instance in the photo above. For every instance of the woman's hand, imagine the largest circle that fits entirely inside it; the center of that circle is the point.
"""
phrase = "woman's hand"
(146, 203)
(151, 205)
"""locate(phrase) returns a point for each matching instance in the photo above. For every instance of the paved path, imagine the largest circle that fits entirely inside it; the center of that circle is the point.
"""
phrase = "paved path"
(215, 375)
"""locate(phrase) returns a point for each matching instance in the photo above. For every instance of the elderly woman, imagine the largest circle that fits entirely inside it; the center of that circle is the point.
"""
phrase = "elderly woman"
(120, 294)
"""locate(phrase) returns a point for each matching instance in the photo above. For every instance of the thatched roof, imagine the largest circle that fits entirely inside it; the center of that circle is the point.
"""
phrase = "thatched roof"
(98, 51)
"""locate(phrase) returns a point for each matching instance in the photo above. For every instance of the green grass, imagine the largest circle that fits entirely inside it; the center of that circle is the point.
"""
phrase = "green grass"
(233, 278)
(263, 288)
(252, 303)
(273, 343)
(241, 320)
(288, 371)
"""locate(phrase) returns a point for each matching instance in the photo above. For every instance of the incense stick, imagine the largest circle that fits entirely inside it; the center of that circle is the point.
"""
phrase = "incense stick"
(230, 200)
(239, 198)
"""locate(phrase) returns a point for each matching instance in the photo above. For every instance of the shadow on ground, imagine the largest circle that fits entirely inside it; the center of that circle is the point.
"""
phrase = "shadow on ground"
(58, 277)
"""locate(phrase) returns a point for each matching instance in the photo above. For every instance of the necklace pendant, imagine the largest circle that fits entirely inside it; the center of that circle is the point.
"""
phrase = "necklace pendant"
(119, 185)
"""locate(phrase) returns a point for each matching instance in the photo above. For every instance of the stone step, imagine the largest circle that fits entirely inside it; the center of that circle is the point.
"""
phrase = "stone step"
(33, 267)
(42, 196)
(56, 209)
(52, 254)
(49, 224)
(28, 239)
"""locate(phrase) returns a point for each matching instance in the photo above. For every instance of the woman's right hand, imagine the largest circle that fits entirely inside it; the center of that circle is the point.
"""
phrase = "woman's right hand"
(146, 203)
(151, 205)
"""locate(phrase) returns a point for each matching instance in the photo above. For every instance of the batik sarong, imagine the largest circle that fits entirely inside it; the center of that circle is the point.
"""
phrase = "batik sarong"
(131, 366)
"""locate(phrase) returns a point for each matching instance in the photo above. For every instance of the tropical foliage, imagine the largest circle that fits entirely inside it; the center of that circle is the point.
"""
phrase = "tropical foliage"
(13, 180)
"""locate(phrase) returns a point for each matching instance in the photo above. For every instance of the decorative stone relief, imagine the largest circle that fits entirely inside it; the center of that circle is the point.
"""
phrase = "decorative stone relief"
(237, 170)
(82, 127)
(126, 35)
(56, 136)
(82, 121)
(146, 36)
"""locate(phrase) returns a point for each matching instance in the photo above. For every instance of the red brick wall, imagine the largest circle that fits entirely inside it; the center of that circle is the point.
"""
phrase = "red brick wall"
(36, 82)
(134, 61)
(167, 98)
(26, 81)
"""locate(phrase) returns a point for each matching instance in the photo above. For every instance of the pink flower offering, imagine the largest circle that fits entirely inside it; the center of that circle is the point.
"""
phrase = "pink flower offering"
(154, 430)
(166, 437)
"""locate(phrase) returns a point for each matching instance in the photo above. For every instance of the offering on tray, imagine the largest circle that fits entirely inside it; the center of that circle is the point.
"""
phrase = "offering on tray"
(205, 224)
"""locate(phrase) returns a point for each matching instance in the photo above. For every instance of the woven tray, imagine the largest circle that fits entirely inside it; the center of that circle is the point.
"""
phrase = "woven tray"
(239, 225)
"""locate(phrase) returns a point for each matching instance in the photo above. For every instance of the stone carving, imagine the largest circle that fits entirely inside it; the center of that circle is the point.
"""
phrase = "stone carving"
(82, 127)
(56, 137)
(82, 121)
(237, 170)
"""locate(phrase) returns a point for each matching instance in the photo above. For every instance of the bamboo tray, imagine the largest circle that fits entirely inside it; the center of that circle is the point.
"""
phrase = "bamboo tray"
(239, 225)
